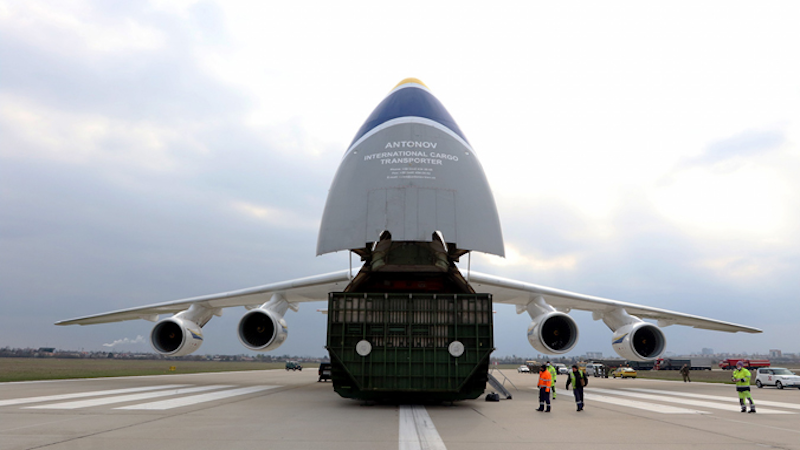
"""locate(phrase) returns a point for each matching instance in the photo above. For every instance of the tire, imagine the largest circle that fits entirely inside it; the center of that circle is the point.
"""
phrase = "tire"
(778, 384)
(758, 384)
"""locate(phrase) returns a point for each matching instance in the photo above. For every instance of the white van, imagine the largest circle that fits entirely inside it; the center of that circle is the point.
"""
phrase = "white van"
(778, 377)
(594, 369)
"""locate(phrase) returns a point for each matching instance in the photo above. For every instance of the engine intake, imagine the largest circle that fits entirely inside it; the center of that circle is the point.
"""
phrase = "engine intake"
(553, 333)
(262, 330)
(640, 341)
(176, 337)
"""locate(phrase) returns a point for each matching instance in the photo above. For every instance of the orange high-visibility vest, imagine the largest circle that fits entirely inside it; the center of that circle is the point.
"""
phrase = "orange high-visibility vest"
(545, 380)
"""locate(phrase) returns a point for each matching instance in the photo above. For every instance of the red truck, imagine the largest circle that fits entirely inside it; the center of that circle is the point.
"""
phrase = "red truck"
(730, 364)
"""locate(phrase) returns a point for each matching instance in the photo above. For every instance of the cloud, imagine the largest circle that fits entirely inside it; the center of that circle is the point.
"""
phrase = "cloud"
(59, 66)
(727, 155)
(276, 216)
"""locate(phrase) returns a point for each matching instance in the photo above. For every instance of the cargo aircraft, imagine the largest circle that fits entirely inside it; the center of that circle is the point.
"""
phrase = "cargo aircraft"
(410, 198)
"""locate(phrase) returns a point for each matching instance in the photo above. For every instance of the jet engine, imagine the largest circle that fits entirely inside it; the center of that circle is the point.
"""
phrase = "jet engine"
(263, 329)
(175, 336)
(639, 341)
(553, 333)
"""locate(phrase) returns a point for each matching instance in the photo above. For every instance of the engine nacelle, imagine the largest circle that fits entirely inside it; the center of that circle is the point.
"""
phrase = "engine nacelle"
(262, 329)
(553, 333)
(176, 337)
(640, 341)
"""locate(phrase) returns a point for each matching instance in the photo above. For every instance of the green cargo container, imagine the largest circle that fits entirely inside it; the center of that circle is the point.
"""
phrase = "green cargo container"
(409, 347)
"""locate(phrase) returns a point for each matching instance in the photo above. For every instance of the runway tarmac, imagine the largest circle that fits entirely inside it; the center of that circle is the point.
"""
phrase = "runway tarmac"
(290, 410)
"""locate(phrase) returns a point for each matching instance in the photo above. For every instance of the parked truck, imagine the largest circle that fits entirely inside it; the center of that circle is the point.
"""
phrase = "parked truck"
(641, 365)
(676, 364)
(730, 364)
(610, 363)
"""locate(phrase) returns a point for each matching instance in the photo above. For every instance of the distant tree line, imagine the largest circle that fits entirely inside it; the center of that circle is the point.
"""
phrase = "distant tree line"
(48, 352)
(44, 352)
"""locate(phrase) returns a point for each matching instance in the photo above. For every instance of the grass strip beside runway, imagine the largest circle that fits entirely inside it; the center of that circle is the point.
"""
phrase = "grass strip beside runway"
(30, 369)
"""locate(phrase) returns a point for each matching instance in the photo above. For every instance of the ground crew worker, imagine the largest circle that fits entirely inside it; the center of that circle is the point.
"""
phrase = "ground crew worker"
(685, 373)
(553, 372)
(742, 378)
(545, 382)
(578, 380)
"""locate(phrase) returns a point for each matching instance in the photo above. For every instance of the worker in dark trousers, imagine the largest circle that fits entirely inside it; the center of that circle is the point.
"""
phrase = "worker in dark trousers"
(742, 378)
(578, 380)
(545, 381)
(685, 373)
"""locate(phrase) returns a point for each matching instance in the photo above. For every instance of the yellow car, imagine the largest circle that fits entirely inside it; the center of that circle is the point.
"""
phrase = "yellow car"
(624, 372)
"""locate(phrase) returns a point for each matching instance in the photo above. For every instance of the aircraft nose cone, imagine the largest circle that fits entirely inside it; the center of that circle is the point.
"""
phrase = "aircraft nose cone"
(411, 172)
(410, 98)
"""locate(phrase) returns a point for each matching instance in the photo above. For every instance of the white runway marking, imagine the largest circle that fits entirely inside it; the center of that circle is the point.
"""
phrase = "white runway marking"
(417, 431)
(50, 398)
(684, 401)
(653, 407)
(733, 398)
(125, 398)
(195, 399)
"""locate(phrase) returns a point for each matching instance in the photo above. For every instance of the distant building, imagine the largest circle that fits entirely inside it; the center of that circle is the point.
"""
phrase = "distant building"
(707, 351)
(773, 353)
(594, 355)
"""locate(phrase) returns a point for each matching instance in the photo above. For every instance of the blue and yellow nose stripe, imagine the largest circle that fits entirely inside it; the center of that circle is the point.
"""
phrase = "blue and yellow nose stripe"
(410, 98)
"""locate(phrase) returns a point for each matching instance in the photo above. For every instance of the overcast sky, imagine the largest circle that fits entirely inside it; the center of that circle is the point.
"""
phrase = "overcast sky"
(151, 151)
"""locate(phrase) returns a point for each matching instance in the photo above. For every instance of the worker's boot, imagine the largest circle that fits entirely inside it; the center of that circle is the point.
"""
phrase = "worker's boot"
(541, 407)
(744, 408)
(752, 409)
(548, 409)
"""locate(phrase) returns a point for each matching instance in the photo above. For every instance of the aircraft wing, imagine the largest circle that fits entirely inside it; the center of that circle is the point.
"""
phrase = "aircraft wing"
(520, 293)
(307, 289)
